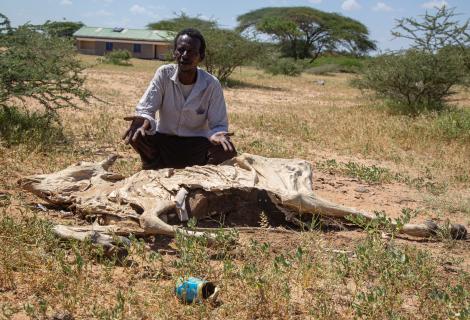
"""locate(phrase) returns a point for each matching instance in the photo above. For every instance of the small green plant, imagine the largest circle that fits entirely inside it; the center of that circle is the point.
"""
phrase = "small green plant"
(453, 124)
(423, 183)
(369, 174)
(193, 254)
(372, 174)
(117, 57)
(330, 165)
(388, 277)
(383, 223)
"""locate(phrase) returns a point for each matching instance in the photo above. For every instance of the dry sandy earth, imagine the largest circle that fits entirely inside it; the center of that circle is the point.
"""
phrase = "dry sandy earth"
(255, 105)
(256, 94)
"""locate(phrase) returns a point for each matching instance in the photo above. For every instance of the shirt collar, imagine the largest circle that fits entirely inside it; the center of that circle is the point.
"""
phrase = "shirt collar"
(199, 85)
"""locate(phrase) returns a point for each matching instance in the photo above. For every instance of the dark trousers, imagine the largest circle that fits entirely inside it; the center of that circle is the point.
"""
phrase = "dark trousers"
(166, 151)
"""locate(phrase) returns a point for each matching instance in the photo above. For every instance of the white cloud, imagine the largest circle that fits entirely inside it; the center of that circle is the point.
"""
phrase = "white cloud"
(349, 5)
(65, 3)
(99, 13)
(435, 3)
(136, 9)
(382, 6)
(315, 1)
(148, 11)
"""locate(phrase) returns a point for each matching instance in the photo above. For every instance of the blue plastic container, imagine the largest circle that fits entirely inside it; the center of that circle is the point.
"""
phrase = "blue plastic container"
(195, 290)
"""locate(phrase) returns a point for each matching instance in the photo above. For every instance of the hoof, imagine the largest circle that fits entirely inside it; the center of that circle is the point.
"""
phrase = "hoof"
(458, 232)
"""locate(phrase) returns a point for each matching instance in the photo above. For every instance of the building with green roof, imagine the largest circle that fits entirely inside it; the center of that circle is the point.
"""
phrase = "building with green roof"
(141, 43)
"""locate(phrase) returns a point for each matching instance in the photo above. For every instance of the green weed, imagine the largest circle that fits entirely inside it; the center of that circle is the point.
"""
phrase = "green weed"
(399, 282)
(370, 174)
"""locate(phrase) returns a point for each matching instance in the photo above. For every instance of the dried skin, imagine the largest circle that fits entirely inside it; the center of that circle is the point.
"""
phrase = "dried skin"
(145, 203)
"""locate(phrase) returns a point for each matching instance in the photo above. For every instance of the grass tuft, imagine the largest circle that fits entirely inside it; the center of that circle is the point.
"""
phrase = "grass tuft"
(30, 128)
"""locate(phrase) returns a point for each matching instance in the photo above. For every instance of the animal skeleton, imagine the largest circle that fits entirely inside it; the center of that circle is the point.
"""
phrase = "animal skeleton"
(143, 203)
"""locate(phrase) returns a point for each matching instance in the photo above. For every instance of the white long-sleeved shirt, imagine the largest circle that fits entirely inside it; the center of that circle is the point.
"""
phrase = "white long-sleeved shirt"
(202, 114)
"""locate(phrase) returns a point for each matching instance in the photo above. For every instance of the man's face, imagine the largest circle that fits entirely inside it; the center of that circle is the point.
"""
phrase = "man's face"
(187, 54)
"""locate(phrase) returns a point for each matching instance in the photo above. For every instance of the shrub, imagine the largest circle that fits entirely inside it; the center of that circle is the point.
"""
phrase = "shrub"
(39, 67)
(284, 66)
(414, 81)
(23, 127)
(117, 57)
(226, 50)
(423, 77)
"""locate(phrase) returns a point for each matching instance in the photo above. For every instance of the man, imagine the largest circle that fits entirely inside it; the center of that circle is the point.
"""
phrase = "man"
(192, 128)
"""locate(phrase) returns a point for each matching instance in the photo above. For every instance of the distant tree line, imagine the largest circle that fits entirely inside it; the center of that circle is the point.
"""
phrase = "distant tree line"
(418, 79)
(297, 32)
(226, 49)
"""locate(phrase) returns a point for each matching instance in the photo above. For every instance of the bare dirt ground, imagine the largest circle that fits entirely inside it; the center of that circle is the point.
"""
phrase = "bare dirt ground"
(272, 116)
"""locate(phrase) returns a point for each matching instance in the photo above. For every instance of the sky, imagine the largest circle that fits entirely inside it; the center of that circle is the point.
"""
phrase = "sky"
(379, 16)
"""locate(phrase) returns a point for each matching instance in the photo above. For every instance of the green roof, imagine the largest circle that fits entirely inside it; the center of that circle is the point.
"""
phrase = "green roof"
(125, 34)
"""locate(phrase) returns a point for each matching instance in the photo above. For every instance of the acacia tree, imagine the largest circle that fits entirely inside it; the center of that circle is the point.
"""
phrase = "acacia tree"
(182, 21)
(434, 31)
(423, 77)
(306, 32)
(437, 31)
(5, 26)
(40, 67)
(225, 49)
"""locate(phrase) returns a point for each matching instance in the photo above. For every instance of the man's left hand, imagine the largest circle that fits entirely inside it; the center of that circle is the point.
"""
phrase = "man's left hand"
(223, 139)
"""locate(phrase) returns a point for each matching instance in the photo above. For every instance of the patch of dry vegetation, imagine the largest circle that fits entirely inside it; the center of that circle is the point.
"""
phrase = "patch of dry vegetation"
(312, 274)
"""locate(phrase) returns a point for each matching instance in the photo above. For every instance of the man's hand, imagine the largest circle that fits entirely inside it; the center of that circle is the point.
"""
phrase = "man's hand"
(136, 129)
(223, 139)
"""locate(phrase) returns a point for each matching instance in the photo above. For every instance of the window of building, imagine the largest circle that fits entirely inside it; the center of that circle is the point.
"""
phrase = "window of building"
(109, 46)
(137, 48)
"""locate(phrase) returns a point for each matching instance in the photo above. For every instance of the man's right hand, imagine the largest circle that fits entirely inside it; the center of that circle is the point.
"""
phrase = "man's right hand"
(137, 128)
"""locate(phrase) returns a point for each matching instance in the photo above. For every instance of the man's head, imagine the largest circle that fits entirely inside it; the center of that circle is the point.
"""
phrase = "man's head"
(189, 49)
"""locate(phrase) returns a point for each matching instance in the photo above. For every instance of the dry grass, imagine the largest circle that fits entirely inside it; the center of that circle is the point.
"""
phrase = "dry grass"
(314, 275)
